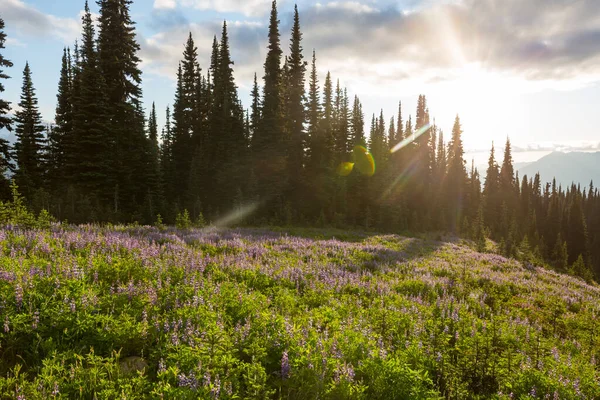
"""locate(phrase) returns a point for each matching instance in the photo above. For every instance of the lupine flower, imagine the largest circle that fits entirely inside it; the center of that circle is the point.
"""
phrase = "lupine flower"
(285, 365)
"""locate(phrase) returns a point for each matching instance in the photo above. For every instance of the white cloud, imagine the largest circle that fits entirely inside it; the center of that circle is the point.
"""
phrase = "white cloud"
(353, 6)
(246, 7)
(165, 4)
(28, 21)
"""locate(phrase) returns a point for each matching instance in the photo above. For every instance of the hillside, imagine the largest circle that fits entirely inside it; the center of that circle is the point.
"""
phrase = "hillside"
(578, 167)
(275, 314)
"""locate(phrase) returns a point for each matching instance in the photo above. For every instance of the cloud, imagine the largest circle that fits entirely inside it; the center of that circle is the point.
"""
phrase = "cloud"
(246, 7)
(164, 4)
(162, 52)
(584, 145)
(524, 45)
(28, 21)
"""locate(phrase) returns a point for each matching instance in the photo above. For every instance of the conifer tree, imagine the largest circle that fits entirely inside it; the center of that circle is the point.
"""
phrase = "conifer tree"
(118, 62)
(5, 121)
(456, 180)
(491, 192)
(326, 123)
(153, 157)
(93, 157)
(256, 109)
(269, 150)
(226, 137)
(357, 124)
(577, 238)
(296, 112)
(61, 141)
(400, 125)
(30, 143)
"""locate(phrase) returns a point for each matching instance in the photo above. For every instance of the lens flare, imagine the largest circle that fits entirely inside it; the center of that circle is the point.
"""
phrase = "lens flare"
(363, 160)
(411, 139)
(237, 215)
(345, 168)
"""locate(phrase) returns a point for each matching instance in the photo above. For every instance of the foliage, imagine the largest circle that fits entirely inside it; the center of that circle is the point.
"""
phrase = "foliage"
(142, 312)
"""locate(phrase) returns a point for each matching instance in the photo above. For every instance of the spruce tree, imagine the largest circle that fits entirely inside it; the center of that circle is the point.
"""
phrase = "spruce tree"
(94, 151)
(491, 191)
(226, 137)
(256, 109)
(326, 124)
(314, 114)
(30, 143)
(118, 62)
(180, 146)
(61, 141)
(269, 150)
(296, 113)
(5, 121)
(357, 125)
(153, 164)
(456, 180)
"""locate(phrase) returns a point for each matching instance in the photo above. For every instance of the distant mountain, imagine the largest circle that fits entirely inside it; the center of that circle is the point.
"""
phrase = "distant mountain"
(578, 167)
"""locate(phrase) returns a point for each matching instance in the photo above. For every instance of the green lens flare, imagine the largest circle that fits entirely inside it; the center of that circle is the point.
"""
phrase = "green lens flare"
(345, 168)
(363, 160)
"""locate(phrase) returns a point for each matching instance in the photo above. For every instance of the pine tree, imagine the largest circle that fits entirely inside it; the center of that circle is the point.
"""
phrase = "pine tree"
(153, 157)
(118, 62)
(93, 167)
(456, 180)
(61, 141)
(560, 254)
(442, 161)
(269, 150)
(400, 125)
(256, 109)
(5, 121)
(326, 124)
(296, 113)
(226, 139)
(29, 146)
(357, 125)
(577, 238)
(167, 166)
(491, 192)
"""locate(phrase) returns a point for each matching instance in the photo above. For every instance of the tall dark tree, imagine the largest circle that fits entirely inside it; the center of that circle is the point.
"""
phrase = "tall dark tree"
(357, 125)
(491, 193)
(226, 138)
(313, 118)
(255, 109)
(456, 179)
(153, 172)
(5, 120)
(119, 63)
(30, 143)
(296, 113)
(93, 159)
(61, 140)
(269, 142)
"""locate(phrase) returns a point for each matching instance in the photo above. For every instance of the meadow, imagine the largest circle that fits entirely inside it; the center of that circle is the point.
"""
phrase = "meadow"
(141, 312)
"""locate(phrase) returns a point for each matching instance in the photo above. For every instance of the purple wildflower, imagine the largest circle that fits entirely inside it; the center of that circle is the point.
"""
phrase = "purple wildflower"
(285, 365)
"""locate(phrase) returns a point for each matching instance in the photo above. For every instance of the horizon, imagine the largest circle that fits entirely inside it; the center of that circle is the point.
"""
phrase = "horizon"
(540, 99)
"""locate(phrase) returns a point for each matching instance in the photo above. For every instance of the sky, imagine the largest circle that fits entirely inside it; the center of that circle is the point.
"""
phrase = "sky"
(528, 70)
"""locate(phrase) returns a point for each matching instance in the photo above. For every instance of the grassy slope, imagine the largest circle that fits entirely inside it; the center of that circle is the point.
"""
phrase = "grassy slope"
(285, 314)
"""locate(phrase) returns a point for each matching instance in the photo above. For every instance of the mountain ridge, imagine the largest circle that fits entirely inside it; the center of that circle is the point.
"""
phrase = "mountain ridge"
(567, 167)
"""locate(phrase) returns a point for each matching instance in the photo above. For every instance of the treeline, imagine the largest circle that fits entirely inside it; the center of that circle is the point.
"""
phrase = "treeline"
(297, 155)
